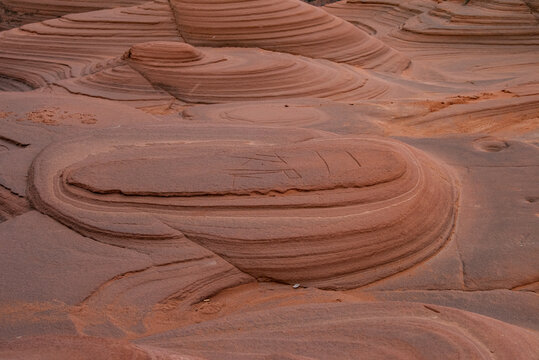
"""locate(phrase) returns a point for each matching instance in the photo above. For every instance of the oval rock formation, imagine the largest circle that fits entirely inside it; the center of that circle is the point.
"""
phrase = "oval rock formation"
(297, 206)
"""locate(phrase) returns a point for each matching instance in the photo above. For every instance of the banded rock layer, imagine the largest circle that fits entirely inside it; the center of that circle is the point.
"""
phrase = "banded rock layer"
(291, 205)
(227, 75)
(378, 16)
(20, 12)
(383, 330)
(74, 347)
(118, 83)
(288, 26)
(501, 22)
(78, 44)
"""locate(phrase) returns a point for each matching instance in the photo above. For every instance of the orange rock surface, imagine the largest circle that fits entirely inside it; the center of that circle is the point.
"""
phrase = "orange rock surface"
(322, 211)
(285, 26)
(255, 179)
(204, 76)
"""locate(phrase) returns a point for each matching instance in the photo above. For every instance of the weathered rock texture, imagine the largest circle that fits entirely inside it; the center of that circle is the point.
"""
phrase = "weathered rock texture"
(10, 204)
(15, 13)
(79, 348)
(307, 113)
(79, 44)
(210, 179)
(376, 331)
(330, 212)
(509, 22)
(206, 75)
(379, 16)
(287, 26)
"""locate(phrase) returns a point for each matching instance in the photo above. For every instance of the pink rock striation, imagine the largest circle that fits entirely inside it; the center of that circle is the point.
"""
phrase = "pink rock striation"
(287, 26)
(326, 211)
(227, 75)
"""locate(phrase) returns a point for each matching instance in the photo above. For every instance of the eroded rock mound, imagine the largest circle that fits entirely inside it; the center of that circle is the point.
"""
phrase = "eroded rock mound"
(291, 205)
(288, 26)
(226, 75)
(384, 330)
(507, 22)
(78, 44)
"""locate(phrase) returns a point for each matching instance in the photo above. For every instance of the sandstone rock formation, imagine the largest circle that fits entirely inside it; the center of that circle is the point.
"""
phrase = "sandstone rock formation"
(307, 113)
(206, 75)
(118, 83)
(379, 16)
(10, 204)
(375, 330)
(511, 22)
(79, 44)
(15, 13)
(254, 179)
(287, 26)
(57, 348)
(358, 192)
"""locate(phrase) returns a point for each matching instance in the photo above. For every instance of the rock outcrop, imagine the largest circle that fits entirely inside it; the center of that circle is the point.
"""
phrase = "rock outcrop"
(289, 205)
(226, 75)
(480, 22)
(287, 26)
(376, 331)
(37, 54)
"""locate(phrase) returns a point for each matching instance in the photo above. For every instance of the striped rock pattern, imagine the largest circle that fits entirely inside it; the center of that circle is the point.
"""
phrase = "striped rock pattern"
(118, 83)
(378, 16)
(288, 26)
(20, 12)
(70, 347)
(290, 205)
(74, 45)
(226, 75)
(383, 330)
(481, 22)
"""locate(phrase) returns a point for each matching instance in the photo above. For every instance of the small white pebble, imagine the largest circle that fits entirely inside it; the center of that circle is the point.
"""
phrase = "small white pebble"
(296, 286)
